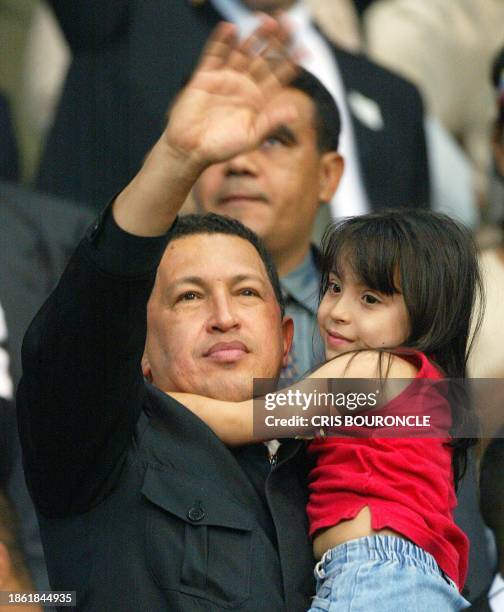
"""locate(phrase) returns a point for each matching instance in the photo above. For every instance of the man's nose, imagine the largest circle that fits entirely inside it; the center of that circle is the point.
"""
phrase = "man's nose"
(246, 163)
(223, 316)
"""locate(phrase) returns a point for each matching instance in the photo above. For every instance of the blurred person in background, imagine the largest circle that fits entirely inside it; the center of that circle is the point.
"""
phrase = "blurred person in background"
(496, 191)
(14, 575)
(130, 59)
(488, 357)
(444, 47)
(351, 24)
(492, 509)
(37, 235)
(9, 164)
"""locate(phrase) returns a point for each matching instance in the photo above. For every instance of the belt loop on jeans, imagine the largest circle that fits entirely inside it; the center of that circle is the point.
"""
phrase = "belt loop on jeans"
(319, 570)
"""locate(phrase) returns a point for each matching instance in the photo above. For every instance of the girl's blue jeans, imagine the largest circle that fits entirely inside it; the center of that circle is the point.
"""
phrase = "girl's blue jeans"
(383, 574)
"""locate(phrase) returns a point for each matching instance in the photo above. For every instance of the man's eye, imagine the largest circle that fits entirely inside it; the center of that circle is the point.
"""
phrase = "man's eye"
(248, 292)
(271, 141)
(370, 299)
(187, 296)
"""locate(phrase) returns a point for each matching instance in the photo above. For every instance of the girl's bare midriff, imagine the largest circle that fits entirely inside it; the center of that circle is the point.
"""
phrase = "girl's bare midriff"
(358, 527)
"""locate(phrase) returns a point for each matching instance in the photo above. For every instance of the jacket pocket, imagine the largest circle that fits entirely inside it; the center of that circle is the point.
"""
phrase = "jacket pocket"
(198, 540)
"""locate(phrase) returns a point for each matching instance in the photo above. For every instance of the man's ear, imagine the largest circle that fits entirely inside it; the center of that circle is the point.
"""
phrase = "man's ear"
(146, 369)
(288, 335)
(5, 565)
(331, 171)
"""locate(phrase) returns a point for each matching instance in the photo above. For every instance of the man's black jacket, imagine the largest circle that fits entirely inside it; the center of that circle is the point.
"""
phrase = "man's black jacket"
(141, 507)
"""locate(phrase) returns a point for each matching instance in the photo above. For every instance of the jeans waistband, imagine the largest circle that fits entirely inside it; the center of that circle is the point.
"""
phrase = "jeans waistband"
(379, 548)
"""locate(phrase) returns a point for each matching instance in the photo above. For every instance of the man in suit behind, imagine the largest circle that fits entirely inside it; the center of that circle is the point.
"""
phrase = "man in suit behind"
(492, 508)
(276, 190)
(130, 59)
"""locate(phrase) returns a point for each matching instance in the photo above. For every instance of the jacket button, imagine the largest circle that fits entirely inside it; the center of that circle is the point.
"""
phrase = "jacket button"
(195, 514)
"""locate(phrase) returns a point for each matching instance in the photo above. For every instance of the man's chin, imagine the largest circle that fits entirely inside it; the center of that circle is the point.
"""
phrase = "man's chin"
(230, 391)
(234, 388)
(222, 382)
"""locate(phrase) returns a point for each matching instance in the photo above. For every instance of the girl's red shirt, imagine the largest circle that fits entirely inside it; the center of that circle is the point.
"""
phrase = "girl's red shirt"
(407, 483)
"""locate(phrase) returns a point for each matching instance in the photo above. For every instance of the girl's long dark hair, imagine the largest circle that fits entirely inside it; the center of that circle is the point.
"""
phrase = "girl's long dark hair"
(434, 259)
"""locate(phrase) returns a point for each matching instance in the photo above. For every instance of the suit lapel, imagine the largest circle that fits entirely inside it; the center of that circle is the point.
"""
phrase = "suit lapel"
(205, 11)
(365, 114)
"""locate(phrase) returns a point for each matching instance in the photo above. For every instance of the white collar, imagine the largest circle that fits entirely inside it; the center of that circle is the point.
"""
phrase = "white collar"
(6, 387)
(496, 594)
(300, 15)
(237, 13)
(247, 20)
(497, 584)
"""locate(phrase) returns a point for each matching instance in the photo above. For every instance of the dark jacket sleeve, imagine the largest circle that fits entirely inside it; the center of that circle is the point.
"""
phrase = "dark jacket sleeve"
(93, 23)
(82, 388)
(9, 163)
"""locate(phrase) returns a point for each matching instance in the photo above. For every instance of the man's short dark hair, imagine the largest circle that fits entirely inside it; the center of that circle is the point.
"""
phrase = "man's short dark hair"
(327, 117)
(211, 223)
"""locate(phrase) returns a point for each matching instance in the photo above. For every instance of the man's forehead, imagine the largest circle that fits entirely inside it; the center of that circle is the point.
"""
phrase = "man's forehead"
(300, 99)
(203, 256)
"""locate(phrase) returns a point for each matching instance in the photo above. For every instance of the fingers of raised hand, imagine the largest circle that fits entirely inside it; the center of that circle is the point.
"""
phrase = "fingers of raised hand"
(219, 47)
(275, 67)
(264, 56)
(269, 63)
(282, 73)
(270, 42)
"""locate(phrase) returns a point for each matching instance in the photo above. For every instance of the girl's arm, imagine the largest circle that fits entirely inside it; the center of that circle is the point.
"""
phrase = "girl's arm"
(232, 422)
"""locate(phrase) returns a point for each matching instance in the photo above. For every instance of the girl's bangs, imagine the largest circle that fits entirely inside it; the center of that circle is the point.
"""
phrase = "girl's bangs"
(370, 253)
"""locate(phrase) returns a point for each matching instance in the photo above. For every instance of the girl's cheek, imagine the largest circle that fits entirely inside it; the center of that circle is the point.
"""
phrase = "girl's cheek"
(320, 315)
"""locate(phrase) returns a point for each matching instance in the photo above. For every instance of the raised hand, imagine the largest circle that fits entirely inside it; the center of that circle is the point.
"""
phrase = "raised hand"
(222, 111)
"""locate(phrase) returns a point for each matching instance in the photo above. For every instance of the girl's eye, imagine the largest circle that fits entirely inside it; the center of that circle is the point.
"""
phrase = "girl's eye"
(370, 299)
(334, 287)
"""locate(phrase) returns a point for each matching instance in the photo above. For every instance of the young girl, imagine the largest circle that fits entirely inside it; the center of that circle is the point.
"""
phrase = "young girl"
(380, 509)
